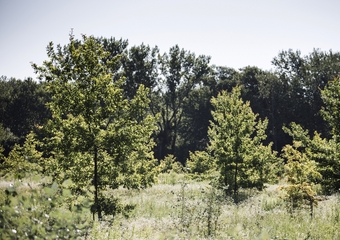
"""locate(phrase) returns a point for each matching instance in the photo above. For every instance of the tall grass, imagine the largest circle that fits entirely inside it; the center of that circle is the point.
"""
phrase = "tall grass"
(195, 210)
(179, 208)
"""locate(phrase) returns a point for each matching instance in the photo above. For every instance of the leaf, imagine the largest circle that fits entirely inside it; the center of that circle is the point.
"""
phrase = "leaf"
(67, 183)
(55, 186)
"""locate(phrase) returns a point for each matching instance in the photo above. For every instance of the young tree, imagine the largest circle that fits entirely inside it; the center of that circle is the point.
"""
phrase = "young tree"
(300, 170)
(236, 143)
(321, 151)
(96, 136)
(23, 160)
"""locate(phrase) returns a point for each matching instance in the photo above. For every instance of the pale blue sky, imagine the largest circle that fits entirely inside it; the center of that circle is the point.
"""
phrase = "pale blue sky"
(234, 33)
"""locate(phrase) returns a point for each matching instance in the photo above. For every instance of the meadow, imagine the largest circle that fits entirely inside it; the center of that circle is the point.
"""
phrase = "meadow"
(177, 207)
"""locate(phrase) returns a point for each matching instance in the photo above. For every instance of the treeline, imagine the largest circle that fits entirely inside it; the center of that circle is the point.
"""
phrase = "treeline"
(181, 85)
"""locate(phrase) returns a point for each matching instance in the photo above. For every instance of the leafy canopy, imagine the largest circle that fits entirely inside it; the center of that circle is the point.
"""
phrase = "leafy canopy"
(236, 143)
(96, 136)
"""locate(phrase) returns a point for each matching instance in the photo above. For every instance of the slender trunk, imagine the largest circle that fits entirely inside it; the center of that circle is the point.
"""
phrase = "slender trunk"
(273, 123)
(173, 143)
(235, 183)
(96, 185)
(311, 208)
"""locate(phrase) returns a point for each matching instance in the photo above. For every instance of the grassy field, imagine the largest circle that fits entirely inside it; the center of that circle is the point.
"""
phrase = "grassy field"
(179, 208)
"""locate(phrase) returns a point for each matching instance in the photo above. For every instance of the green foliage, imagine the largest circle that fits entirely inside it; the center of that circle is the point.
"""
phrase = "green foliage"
(170, 164)
(201, 165)
(96, 136)
(2, 157)
(300, 171)
(7, 139)
(6, 135)
(303, 77)
(140, 68)
(181, 72)
(200, 210)
(182, 210)
(22, 107)
(25, 160)
(331, 110)
(28, 212)
(236, 143)
(322, 151)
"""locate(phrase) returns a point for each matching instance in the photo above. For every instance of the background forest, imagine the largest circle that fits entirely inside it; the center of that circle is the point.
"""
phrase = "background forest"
(105, 117)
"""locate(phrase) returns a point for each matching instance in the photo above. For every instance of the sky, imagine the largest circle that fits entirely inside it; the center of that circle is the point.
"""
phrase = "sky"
(234, 33)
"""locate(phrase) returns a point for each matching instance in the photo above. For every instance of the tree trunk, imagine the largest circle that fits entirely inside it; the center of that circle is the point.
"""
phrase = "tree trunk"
(96, 186)
(235, 183)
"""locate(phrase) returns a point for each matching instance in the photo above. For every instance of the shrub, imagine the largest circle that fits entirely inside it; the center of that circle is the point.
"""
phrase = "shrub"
(200, 163)
(170, 164)
(40, 212)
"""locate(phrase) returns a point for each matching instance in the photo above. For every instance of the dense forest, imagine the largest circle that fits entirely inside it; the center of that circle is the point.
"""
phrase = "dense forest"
(181, 85)
(104, 114)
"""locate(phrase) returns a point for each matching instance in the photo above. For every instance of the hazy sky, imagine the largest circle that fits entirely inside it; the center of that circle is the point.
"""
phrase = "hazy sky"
(234, 33)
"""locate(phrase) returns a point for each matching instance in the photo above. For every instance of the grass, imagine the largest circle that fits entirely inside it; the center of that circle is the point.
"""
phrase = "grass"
(180, 208)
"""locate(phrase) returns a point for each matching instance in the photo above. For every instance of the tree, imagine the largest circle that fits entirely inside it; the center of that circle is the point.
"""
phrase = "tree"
(197, 109)
(304, 77)
(322, 152)
(22, 107)
(24, 160)
(331, 113)
(300, 170)
(195, 121)
(331, 110)
(6, 138)
(140, 66)
(201, 165)
(181, 73)
(225, 78)
(274, 96)
(96, 136)
(236, 143)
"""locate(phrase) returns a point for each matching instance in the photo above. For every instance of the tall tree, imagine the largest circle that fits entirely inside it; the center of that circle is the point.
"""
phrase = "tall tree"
(236, 143)
(195, 121)
(304, 77)
(96, 136)
(181, 72)
(276, 106)
(140, 66)
(331, 113)
(22, 107)
(331, 110)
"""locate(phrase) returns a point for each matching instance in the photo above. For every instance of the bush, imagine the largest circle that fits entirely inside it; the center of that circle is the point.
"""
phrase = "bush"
(170, 164)
(200, 162)
(28, 212)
